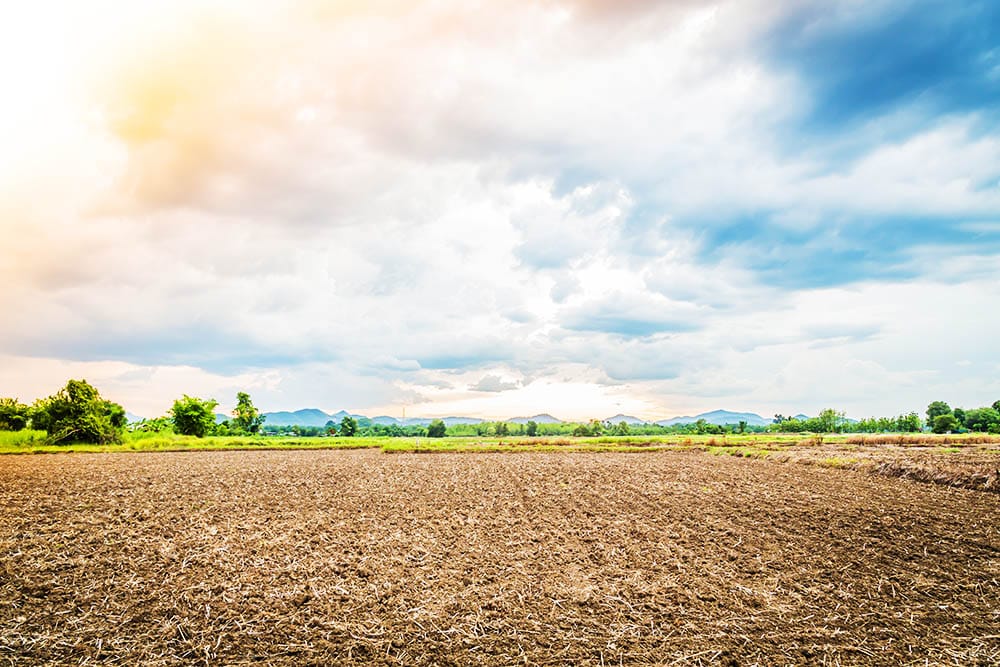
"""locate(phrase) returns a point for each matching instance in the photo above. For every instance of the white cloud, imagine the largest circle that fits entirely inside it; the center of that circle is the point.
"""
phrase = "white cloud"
(500, 210)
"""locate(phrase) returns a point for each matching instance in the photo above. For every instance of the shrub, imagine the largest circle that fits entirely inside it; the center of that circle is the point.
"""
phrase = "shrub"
(14, 415)
(945, 423)
(436, 429)
(193, 416)
(77, 413)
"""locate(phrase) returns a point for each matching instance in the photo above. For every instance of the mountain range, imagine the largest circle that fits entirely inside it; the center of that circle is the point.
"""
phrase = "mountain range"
(316, 417)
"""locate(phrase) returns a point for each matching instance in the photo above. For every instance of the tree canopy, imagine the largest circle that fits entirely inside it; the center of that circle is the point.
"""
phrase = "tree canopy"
(246, 417)
(944, 423)
(348, 426)
(77, 413)
(436, 429)
(193, 416)
(14, 415)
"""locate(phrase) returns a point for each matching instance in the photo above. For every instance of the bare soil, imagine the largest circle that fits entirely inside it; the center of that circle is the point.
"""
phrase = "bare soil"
(320, 557)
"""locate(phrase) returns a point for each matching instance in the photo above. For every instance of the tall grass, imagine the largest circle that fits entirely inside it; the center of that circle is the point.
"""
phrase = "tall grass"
(18, 440)
(923, 439)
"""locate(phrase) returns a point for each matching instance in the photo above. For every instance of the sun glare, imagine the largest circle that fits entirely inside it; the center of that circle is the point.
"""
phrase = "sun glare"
(58, 59)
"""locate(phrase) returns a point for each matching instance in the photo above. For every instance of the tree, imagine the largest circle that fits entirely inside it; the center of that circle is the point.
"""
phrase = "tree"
(982, 420)
(502, 429)
(436, 429)
(996, 405)
(14, 415)
(935, 410)
(742, 426)
(157, 425)
(960, 416)
(910, 423)
(945, 423)
(831, 421)
(532, 429)
(621, 428)
(77, 413)
(348, 426)
(246, 417)
(193, 416)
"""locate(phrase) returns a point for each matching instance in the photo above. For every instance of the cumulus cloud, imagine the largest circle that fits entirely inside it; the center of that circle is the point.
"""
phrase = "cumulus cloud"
(665, 199)
(493, 383)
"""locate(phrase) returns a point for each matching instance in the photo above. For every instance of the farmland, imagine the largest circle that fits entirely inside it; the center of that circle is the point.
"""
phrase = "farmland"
(787, 553)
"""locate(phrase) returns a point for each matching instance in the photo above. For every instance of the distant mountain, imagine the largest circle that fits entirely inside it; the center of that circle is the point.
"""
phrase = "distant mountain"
(131, 418)
(451, 421)
(316, 417)
(305, 417)
(544, 418)
(801, 417)
(385, 420)
(219, 417)
(720, 417)
(628, 419)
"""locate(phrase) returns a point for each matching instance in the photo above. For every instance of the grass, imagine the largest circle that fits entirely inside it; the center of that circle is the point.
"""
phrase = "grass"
(749, 445)
(745, 452)
(838, 461)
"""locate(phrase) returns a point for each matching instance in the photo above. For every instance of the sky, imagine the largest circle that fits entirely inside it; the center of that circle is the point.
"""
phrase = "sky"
(498, 209)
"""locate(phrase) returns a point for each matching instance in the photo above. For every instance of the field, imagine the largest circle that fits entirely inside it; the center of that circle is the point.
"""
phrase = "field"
(362, 556)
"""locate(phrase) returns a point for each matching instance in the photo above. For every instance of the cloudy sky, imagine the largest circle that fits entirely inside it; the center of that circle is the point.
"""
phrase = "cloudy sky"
(582, 207)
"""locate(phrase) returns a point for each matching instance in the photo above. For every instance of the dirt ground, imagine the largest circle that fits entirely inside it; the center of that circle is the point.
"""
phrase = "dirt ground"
(332, 557)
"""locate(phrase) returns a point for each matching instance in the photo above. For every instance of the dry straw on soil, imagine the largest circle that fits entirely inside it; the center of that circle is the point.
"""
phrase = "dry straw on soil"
(549, 559)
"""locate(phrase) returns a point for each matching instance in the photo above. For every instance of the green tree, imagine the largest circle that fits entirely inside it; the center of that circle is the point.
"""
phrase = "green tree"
(193, 416)
(945, 423)
(246, 417)
(77, 413)
(935, 410)
(348, 426)
(831, 421)
(532, 429)
(910, 423)
(436, 429)
(621, 429)
(996, 406)
(157, 425)
(14, 415)
(960, 416)
(982, 420)
(502, 429)
(742, 427)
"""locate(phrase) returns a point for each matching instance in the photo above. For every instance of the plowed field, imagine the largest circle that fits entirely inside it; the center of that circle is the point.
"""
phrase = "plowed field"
(316, 557)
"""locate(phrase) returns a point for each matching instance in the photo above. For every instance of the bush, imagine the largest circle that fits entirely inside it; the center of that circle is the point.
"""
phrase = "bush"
(193, 416)
(77, 413)
(348, 427)
(945, 423)
(14, 415)
(436, 429)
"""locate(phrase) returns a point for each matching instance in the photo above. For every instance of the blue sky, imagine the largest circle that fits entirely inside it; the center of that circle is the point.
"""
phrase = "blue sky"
(575, 207)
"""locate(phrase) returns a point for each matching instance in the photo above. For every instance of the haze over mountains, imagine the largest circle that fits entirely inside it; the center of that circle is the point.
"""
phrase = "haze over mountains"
(316, 417)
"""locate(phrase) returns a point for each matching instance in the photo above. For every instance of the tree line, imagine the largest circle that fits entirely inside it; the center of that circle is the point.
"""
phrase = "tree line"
(78, 413)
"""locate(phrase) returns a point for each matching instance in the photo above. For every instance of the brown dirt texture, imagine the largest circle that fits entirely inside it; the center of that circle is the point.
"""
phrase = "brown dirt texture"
(362, 557)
